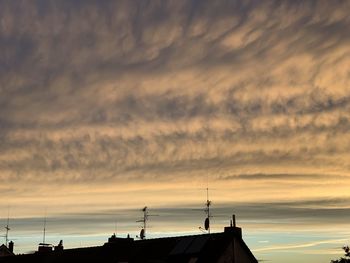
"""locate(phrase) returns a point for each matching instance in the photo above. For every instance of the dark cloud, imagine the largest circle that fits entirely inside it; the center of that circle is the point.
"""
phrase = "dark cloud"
(315, 212)
(293, 213)
(261, 176)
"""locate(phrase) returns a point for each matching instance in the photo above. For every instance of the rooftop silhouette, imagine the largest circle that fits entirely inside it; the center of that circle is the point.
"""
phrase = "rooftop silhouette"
(227, 246)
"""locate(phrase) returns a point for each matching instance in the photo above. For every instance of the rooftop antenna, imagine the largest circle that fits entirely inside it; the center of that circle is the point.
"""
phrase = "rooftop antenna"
(207, 212)
(44, 247)
(7, 227)
(144, 220)
(207, 209)
(44, 234)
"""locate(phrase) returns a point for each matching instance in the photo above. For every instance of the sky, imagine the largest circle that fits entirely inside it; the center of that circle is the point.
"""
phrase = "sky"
(108, 106)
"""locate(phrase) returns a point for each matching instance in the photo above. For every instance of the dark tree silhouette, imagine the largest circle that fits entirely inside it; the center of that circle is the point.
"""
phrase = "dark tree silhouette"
(346, 258)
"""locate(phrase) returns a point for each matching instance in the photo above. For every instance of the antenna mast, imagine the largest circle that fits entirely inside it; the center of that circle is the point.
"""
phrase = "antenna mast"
(7, 227)
(44, 234)
(44, 247)
(144, 220)
(207, 211)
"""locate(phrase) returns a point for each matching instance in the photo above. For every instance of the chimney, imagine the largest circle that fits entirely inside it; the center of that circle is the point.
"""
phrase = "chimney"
(234, 220)
(11, 244)
(233, 229)
(59, 247)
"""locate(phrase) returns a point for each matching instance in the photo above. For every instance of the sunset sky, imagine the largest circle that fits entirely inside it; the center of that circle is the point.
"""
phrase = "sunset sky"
(108, 106)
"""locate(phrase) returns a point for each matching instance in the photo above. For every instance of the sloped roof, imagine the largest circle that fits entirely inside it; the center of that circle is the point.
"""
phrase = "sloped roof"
(4, 251)
(196, 248)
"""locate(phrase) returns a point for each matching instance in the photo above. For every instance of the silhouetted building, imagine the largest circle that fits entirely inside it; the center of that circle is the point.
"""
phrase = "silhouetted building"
(6, 251)
(44, 248)
(59, 247)
(224, 247)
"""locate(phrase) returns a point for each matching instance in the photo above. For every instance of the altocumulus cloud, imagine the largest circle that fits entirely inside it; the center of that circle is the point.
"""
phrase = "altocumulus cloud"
(93, 92)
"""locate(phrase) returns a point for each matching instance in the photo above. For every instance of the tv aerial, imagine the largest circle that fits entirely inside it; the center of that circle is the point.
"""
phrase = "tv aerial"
(44, 247)
(208, 214)
(7, 228)
(144, 220)
(44, 231)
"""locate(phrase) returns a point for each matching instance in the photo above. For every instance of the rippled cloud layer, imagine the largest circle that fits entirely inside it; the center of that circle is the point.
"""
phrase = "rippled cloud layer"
(115, 103)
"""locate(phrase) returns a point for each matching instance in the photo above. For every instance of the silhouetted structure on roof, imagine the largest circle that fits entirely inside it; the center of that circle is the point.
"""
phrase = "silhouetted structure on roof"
(6, 251)
(207, 212)
(144, 220)
(224, 247)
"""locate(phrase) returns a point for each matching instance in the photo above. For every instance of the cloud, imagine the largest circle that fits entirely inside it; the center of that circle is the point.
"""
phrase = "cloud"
(294, 215)
(149, 100)
(299, 246)
(300, 176)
